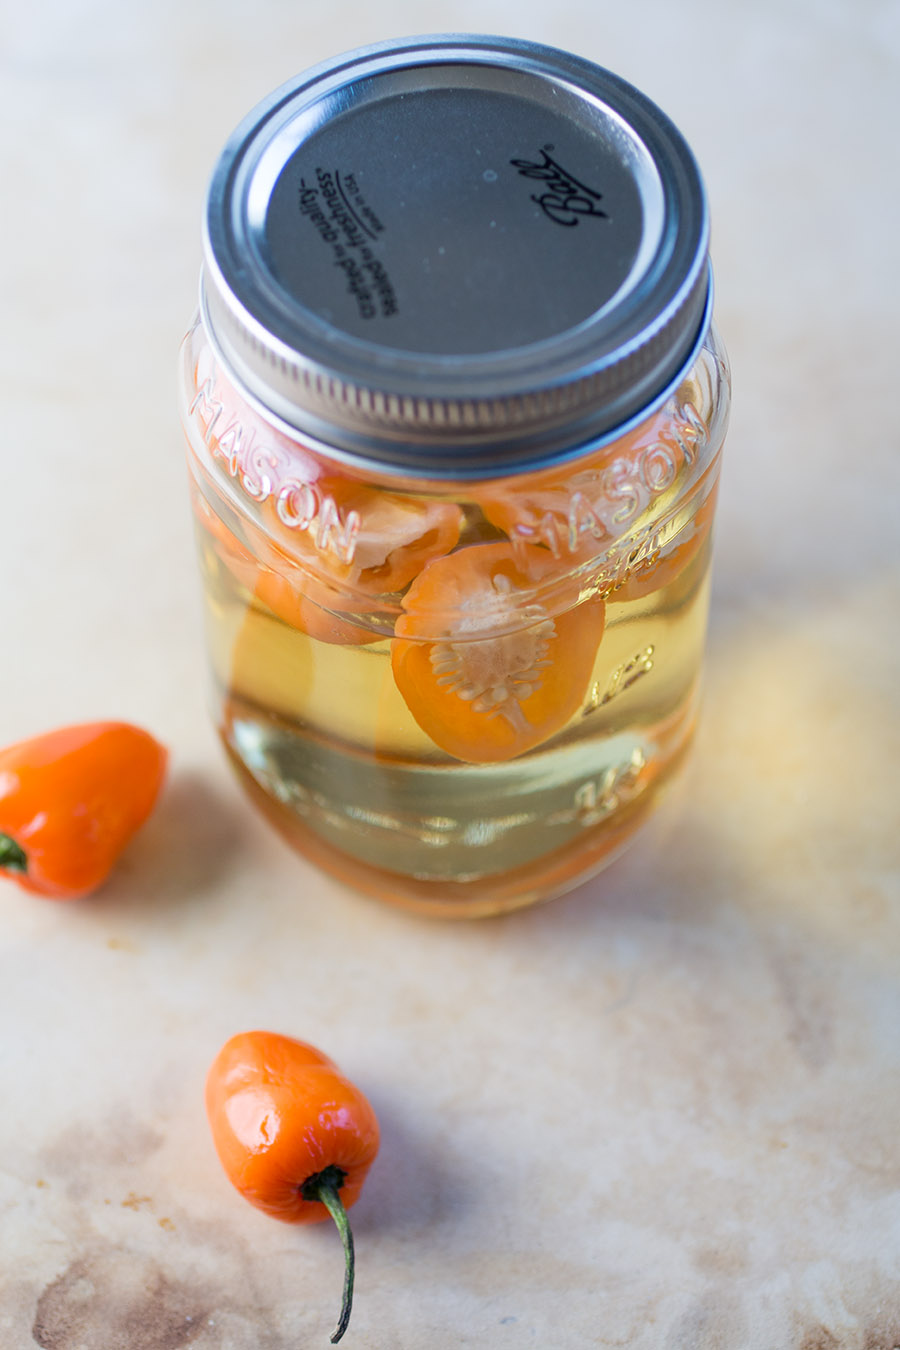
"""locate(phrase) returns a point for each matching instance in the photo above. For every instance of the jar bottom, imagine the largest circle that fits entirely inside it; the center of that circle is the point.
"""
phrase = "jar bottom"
(611, 810)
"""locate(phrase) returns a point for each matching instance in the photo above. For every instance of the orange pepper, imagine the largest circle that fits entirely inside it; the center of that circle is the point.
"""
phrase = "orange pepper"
(309, 606)
(489, 698)
(391, 538)
(290, 593)
(654, 573)
(579, 510)
(70, 800)
(294, 1136)
(352, 538)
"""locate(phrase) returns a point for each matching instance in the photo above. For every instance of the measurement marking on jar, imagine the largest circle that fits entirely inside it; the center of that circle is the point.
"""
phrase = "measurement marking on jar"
(599, 797)
(622, 678)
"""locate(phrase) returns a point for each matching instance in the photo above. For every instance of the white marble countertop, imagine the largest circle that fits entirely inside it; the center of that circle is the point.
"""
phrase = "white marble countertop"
(661, 1113)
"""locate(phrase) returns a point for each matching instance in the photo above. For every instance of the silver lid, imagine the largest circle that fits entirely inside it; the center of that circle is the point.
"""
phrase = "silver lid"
(456, 254)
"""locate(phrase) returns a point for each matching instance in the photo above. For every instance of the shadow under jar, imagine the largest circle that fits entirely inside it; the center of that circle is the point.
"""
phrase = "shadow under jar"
(454, 406)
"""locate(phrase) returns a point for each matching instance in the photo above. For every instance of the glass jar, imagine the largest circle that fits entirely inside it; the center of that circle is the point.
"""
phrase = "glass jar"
(454, 406)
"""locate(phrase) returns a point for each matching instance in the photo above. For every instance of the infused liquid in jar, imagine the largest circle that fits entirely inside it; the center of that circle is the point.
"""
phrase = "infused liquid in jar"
(454, 405)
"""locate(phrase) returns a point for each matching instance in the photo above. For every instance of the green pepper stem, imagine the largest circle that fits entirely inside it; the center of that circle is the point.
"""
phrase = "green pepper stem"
(325, 1186)
(12, 857)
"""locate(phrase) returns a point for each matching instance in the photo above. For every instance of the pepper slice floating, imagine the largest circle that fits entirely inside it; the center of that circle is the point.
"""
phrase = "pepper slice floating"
(308, 589)
(290, 593)
(294, 1136)
(368, 540)
(328, 536)
(70, 800)
(505, 675)
(580, 510)
(652, 575)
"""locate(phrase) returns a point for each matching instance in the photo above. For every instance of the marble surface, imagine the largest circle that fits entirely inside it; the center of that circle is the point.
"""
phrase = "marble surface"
(661, 1113)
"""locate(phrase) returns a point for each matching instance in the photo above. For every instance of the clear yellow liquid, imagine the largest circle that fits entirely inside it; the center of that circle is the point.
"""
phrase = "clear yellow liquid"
(331, 752)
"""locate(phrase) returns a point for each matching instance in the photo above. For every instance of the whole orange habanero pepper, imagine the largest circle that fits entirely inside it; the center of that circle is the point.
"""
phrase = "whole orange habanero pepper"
(70, 800)
(294, 1136)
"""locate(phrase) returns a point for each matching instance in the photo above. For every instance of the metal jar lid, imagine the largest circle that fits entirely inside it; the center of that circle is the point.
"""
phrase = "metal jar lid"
(456, 254)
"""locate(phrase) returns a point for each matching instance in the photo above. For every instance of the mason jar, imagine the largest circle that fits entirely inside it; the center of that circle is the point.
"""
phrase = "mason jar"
(454, 406)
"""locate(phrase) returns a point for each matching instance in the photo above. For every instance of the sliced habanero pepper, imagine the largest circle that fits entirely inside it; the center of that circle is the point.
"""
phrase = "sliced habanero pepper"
(363, 538)
(578, 511)
(661, 570)
(280, 564)
(288, 591)
(505, 674)
(346, 533)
